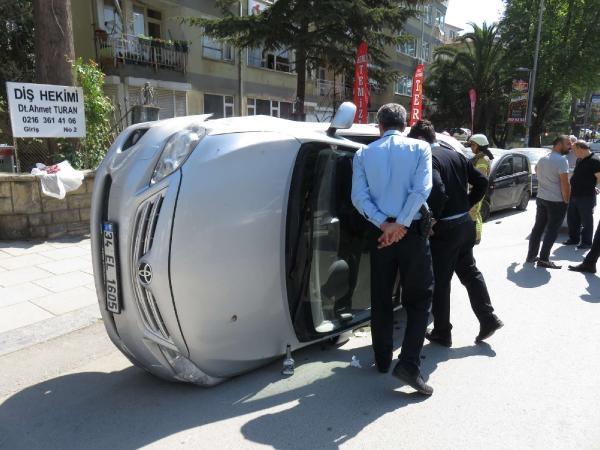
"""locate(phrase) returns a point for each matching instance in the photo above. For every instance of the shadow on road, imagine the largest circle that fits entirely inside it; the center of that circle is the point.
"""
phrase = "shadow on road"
(528, 276)
(569, 253)
(593, 288)
(437, 354)
(128, 409)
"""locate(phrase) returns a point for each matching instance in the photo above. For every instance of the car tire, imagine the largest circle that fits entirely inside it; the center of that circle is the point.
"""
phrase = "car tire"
(524, 202)
(485, 210)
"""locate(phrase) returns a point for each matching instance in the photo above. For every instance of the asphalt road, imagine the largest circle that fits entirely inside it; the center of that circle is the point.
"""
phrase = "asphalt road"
(535, 385)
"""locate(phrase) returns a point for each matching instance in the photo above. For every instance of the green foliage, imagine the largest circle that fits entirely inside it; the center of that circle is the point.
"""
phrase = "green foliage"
(569, 60)
(88, 153)
(320, 32)
(17, 52)
(476, 61)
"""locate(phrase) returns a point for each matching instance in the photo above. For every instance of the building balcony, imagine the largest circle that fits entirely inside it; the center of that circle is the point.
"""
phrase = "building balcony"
(123, 49)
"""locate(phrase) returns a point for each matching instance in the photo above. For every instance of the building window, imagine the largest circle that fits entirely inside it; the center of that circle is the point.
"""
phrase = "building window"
(440, 19)
(426, 54)
(408, 47)
(219, 106)
(404, 85)
(278, 60)
(273, 108)
(146, 22)
(428, 12)
(214, 49)
(112, 20)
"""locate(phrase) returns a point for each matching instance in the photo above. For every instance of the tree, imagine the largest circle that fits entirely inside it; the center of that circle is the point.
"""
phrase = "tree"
(319, 32)
(569, 60)
(18, 52)
(476, 61)
(54, 49)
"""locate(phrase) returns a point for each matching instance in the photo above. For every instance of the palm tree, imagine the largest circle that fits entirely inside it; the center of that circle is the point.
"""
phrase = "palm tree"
(475, 61)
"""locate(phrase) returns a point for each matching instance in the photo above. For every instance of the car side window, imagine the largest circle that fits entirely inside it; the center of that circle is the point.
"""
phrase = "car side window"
(505, 168)
(519, 164)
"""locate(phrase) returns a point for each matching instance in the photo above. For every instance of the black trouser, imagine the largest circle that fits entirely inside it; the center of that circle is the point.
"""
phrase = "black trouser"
(411, 258)
(548, 218)
(452, 252)
(580, 217)
(592, 257)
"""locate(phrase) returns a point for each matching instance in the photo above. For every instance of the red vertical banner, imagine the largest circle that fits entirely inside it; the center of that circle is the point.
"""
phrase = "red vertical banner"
(416, 100)
(473, 98)
(361, 84)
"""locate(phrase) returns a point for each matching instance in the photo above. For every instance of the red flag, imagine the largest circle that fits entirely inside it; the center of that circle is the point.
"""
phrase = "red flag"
(361, 84)
(473, 98)
(416, 100)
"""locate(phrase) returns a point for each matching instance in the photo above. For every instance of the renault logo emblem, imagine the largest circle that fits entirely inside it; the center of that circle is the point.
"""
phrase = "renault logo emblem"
(145, 273)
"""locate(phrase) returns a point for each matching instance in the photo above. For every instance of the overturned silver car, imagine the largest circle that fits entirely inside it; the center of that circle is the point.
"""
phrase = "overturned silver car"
(217, 243)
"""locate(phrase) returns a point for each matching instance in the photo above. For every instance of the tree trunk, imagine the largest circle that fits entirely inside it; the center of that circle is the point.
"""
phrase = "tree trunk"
(54, 49)
(53, 41)
(299, 114)
(543, 102)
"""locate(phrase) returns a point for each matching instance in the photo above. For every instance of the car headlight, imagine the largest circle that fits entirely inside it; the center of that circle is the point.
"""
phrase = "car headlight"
(176, 150)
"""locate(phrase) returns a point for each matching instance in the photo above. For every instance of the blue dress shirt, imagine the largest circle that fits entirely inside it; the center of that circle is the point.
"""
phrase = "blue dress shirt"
(392, 178)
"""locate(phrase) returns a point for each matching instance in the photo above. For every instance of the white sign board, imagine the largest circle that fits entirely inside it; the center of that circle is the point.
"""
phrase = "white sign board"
(45, 110)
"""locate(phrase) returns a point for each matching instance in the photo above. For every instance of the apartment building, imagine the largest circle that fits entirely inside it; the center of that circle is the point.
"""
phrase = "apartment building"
(143, 41)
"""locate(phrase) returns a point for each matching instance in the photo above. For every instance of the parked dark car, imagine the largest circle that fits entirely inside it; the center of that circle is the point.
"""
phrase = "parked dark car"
(510, 183)
(534, 155)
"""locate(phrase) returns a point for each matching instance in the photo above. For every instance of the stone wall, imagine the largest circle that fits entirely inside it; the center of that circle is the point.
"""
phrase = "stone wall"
(26, 213)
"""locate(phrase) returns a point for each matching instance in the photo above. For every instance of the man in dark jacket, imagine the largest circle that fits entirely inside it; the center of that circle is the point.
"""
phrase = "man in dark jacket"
(454, 236)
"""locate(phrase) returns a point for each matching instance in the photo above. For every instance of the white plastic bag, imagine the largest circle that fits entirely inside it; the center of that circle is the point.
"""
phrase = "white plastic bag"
(58, 179)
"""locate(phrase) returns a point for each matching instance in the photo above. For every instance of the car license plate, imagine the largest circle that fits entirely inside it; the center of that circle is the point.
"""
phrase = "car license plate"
(111, 267)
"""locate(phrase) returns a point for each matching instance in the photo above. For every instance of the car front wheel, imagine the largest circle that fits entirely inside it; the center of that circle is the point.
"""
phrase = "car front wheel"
(525, 196)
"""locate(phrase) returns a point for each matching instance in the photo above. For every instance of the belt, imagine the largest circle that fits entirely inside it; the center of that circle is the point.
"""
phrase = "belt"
(447, 224)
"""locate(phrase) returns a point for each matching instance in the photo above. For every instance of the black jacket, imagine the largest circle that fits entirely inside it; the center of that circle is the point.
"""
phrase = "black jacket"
(452, 174)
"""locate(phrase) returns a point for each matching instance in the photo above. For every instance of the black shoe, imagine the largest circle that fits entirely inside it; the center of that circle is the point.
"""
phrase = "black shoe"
(439, 338)
(570, 242)
(584, 268)
(583, 246)
(548, 264)
(488, 328)
(412, 377)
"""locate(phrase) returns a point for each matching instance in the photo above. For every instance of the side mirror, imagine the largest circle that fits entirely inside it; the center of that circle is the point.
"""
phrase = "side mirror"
(343, 119)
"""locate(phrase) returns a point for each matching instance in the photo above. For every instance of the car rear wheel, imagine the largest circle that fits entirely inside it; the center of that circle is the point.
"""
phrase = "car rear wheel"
(525, 196)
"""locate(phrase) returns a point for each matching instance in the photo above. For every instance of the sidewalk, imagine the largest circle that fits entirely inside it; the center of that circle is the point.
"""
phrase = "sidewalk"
(46, 290)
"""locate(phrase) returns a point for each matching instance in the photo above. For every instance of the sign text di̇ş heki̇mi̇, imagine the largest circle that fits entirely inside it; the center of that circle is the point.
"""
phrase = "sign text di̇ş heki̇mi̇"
(45, 110)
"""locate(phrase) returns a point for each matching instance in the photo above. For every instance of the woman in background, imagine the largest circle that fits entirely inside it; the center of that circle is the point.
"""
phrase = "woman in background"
(479, 146)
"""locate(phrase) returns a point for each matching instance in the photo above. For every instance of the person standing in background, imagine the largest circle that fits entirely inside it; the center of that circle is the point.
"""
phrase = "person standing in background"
(572, 156)
(552, 199)
(391, 181)
(580, 214)
(482, 161)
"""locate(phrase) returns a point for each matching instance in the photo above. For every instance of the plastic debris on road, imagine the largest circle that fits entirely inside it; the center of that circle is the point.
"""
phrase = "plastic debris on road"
(58, 179)
(355, 362)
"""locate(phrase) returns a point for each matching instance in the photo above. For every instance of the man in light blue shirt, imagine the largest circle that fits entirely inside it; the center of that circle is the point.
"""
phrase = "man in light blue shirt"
(392, 178)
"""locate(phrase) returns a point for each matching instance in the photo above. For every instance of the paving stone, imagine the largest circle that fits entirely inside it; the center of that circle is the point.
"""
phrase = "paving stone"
(64, 253)
(65, 265)
(67, 301)
(18, 248)
(19, 276)
(21, 293)
(20, 315)
(64, 282)
(18, 262)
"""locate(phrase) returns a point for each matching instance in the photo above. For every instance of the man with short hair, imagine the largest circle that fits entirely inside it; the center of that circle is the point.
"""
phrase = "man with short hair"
(580, 214)
(552, 199)
(454, 236)
(391, 182)
(572, 156)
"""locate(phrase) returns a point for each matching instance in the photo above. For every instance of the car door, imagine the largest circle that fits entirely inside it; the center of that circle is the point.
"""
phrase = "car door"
(521, 177)
(502, 184)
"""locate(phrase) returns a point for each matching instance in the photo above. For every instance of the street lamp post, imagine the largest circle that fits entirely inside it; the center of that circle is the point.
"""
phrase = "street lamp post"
(534, 73)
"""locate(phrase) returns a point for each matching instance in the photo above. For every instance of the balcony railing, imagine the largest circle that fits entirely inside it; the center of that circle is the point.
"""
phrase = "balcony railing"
(134, 50)
(326, 88)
